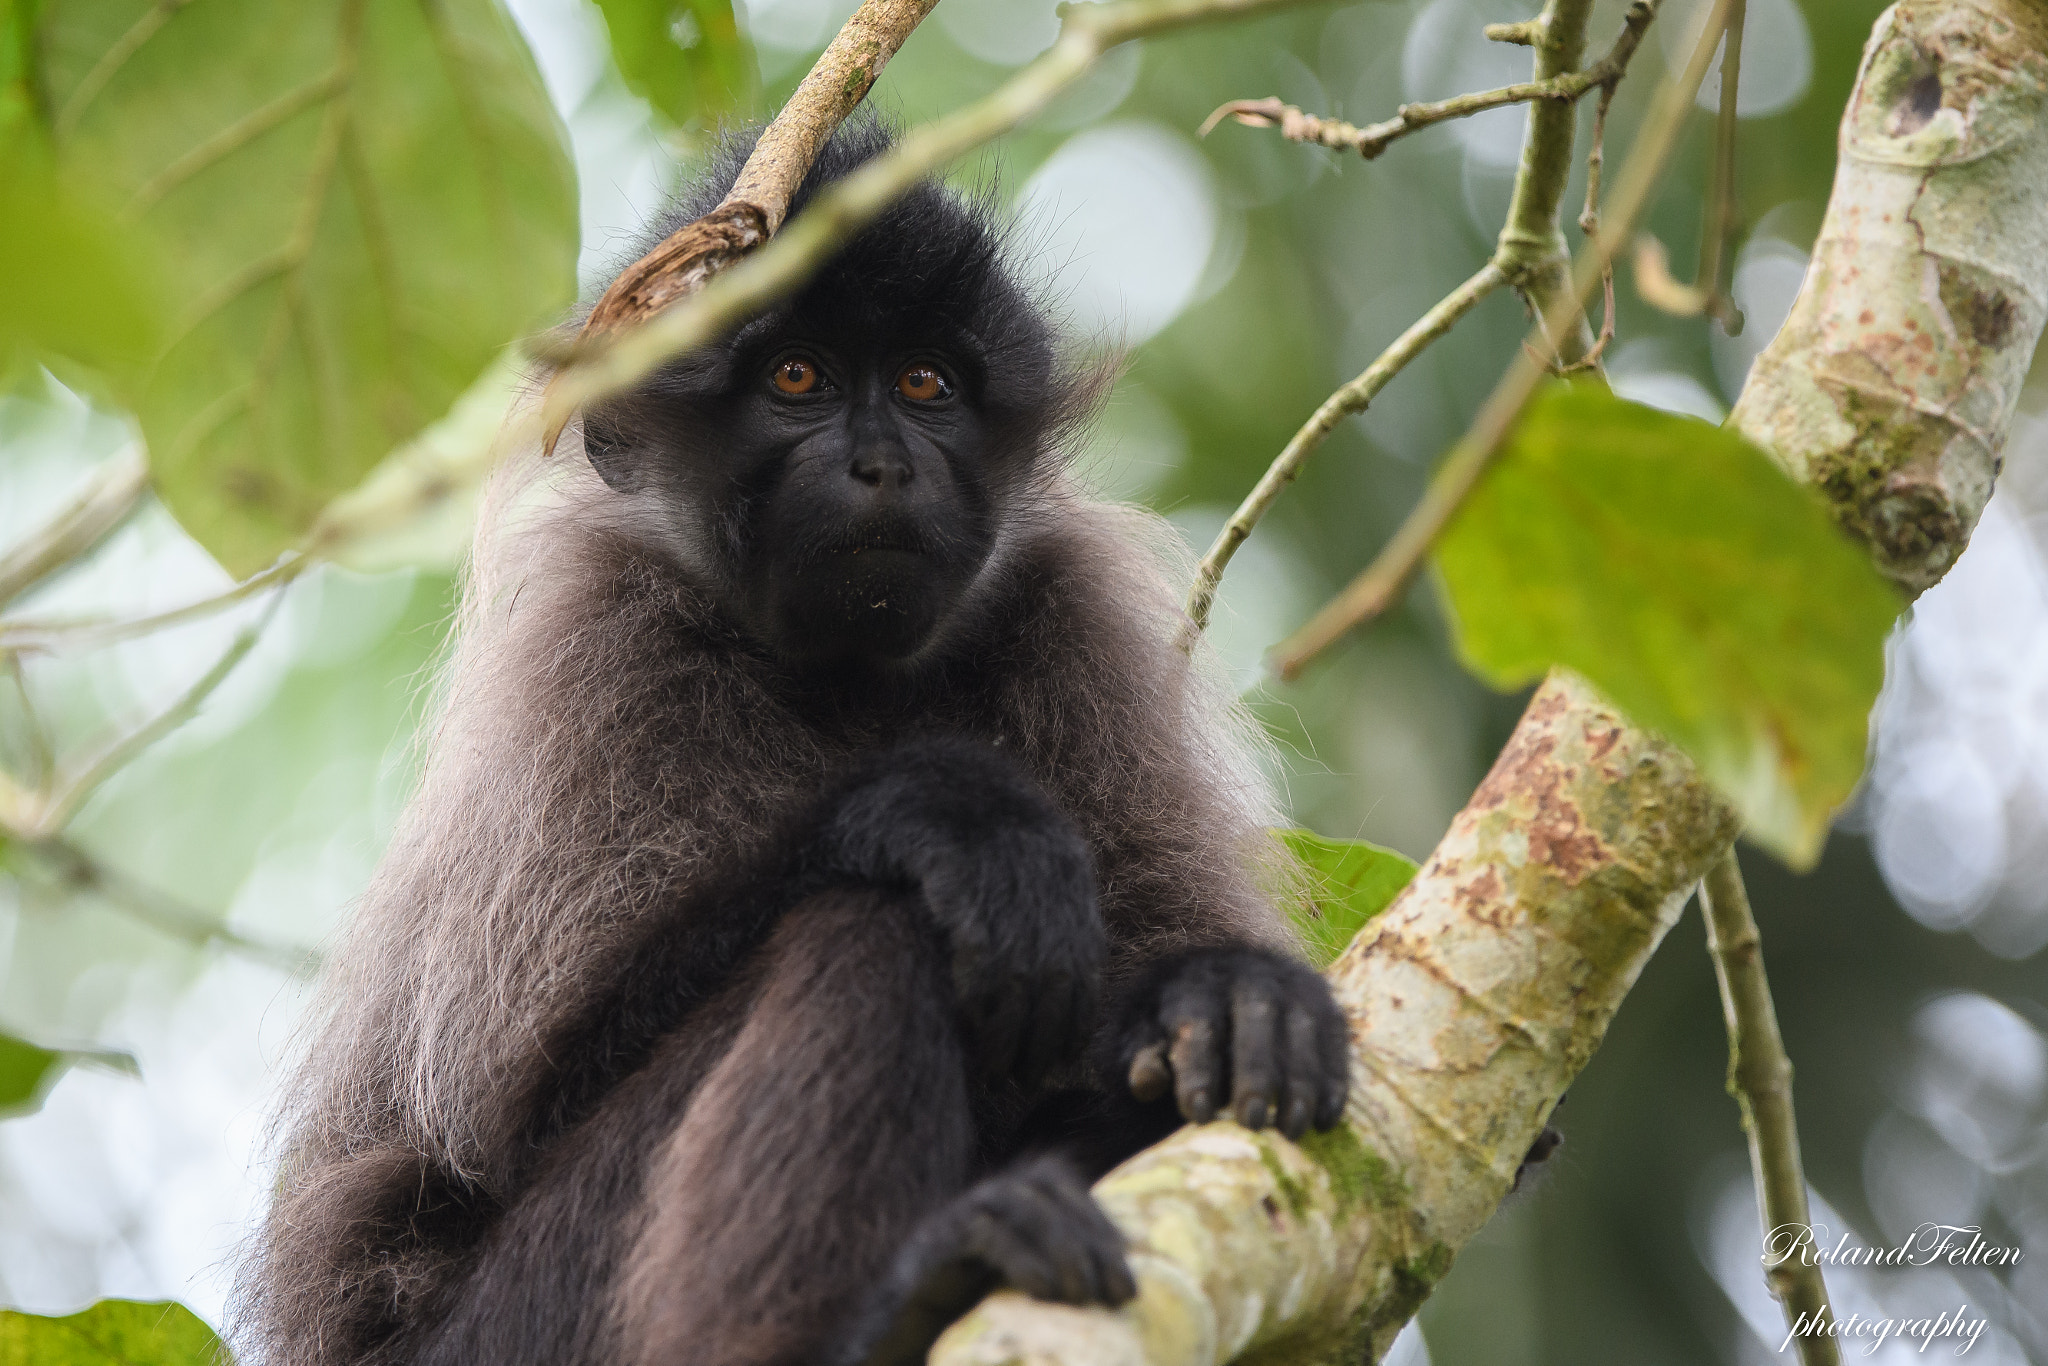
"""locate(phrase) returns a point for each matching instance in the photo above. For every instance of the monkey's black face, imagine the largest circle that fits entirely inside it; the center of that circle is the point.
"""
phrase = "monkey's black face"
(839, 492)
(839, 473)
(864, 494)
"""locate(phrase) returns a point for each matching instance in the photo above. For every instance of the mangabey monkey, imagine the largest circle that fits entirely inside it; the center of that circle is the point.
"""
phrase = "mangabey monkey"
(826, 865)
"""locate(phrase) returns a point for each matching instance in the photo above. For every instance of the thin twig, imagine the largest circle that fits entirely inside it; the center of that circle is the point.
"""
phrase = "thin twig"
(41, 760)
(115, 492)
(842, 209)
(63, 803)
(1527, 237)
(1351, 398)
(1373, 591)
(1374, 138)
(1760, 1079)
(28, 635)
(78, 870)
(1719, 228)
(1596, 162)
(759, 200)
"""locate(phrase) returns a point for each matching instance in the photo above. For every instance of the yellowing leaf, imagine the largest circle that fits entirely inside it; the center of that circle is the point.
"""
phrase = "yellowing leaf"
(1680, 571)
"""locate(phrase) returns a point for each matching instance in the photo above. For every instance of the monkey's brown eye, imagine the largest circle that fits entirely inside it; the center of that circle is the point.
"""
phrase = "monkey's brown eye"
(922, 383)
(797, 375)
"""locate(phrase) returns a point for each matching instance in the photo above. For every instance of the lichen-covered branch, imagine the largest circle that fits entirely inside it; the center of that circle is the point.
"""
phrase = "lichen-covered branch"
(1474, 1000)
(1894, 380)
(1760, 1079)
(1479, 992)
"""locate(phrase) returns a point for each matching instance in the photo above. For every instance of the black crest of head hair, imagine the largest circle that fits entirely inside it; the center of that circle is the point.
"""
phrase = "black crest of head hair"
(936, 255)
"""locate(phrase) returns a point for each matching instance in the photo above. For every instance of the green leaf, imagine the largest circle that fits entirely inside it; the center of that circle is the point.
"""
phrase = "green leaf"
(27, 1072)
(362, 203)
(72, 284)
(1349, 882)
(1680, 571)
(111, 1333)
(687, 58)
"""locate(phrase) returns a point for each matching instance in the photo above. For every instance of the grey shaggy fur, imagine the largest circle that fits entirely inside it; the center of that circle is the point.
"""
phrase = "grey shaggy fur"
(602, 753)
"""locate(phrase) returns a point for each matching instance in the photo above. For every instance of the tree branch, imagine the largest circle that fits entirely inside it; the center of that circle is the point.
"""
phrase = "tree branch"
(1478, 993)
(115, 492)
(1374, 138)
(1508, 265)
(1760, 1079)
(841, 210)
(79, 871)
(28, 635)
(1893, 382)
(1351, 398)
(36, 821)
(1380, 586)
(681, 263)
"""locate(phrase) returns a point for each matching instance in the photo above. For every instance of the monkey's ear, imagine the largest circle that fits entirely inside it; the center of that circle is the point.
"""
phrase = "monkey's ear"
(611, 455)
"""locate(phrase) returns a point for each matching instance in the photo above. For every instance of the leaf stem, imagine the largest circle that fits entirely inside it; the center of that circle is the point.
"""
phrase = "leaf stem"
(1760, 1079)
(1373, 591)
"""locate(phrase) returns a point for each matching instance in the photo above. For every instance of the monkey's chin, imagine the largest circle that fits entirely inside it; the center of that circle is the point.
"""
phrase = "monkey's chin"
(882, 607)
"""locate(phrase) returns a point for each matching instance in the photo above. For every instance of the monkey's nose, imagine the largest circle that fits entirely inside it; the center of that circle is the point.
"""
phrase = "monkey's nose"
(884, 470)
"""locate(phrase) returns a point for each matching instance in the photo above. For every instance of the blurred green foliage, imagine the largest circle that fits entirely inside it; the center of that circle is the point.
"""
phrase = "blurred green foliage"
(1674, 565)
(686, 58)
(73, 285)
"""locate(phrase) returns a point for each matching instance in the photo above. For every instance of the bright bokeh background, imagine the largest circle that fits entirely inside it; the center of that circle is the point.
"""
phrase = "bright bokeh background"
(1246, 278)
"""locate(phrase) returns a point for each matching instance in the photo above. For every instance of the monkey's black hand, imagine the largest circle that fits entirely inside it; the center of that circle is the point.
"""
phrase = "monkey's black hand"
(1005, 876)
(1034, 1227)
(1239, 1030)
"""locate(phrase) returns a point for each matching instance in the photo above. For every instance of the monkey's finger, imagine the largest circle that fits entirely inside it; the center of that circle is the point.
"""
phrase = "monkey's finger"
(1197, 1058)
(1044, 1216)
(1150, 1076)
(1020, 1259)
(1333, 1042)
(1109, 1272)
(1254, 1066)
(1303, 1066)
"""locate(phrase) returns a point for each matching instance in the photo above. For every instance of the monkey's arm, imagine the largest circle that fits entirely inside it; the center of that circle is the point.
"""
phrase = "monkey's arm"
(1004, 876)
